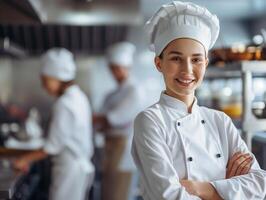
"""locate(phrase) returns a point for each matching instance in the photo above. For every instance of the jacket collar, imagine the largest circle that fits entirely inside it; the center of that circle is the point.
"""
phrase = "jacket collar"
(176, 104)
(124, 86)
(71, 88)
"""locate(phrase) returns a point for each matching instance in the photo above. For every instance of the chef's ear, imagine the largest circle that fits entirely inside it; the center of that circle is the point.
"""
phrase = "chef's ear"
(157, 62)
(207, 62)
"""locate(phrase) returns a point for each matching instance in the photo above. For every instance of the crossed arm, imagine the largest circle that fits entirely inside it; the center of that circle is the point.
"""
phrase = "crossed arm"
(239, 164)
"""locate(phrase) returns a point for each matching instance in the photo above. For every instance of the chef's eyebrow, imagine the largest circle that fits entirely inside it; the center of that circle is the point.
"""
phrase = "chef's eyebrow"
(180, 54)
(175, 52)
(198, 54)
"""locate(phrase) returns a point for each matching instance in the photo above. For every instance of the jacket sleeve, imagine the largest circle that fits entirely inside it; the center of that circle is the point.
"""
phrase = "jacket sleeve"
(153, 159)
(60, 130)
(126, 110)
(249, 186)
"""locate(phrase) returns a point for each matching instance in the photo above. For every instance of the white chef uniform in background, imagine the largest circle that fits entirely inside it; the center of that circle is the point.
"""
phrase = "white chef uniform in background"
(123, 104)
(70, 132)
(120, 108)
(171, 144)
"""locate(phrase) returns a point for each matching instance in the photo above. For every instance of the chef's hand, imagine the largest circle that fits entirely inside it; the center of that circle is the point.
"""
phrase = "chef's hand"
(191, 186)
(204, 190)
(100, 122)
(22, 165)
(239, 164)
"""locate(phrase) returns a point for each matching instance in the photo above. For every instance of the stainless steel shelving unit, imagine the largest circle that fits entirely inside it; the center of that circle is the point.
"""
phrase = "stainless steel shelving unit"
(245, 70)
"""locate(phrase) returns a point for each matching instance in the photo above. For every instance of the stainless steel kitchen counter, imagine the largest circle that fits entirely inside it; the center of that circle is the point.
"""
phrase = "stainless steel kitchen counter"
(8, 181)
(9, 178)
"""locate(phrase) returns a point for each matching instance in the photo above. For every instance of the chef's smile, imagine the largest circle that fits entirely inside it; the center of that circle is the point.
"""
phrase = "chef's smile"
(185, 82)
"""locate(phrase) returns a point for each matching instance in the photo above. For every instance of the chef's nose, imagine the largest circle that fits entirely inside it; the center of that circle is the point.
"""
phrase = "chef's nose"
(187, 66)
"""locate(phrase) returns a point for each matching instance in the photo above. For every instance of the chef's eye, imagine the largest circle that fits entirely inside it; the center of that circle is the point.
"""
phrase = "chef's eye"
(176, 58)
(197, 60)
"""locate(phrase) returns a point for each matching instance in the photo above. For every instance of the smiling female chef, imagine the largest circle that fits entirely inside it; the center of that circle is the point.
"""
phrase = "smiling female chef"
(184, 151)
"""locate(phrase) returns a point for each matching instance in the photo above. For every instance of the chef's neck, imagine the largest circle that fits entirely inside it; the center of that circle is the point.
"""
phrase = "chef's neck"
(121, 80)
(64, 87)
(189, 100)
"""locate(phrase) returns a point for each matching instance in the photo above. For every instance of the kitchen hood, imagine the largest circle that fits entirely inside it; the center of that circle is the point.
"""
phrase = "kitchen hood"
(72, 12)
(11, 49)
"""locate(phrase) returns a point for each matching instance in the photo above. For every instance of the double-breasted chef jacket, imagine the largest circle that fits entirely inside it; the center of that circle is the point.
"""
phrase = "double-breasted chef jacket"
(170, 144)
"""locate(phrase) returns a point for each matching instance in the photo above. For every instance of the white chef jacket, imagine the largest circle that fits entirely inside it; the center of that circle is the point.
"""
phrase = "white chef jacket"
(121, 107)
(70, 143)
(170, 144)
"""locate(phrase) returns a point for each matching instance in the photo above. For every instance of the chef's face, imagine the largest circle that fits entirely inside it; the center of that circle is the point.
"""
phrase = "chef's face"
(51, 85)
(183, 64)
(119, 73)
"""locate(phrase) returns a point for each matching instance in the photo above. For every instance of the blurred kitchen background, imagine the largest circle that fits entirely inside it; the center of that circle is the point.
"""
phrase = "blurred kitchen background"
(235, 80)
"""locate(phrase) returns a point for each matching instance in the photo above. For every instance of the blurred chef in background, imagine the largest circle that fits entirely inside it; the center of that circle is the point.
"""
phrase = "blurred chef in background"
(69, 139)
(119, 110)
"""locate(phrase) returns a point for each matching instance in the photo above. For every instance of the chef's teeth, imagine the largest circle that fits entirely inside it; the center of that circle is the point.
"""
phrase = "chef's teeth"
(185, 81)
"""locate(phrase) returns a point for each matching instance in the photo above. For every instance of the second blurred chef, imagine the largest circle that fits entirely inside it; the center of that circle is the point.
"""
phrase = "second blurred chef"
(119, 109)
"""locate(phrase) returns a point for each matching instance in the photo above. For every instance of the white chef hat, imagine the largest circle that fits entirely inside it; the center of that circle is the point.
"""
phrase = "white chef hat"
(121, 53)
(58, 63)
(182, 20)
